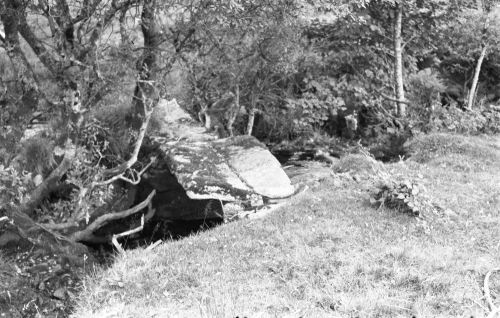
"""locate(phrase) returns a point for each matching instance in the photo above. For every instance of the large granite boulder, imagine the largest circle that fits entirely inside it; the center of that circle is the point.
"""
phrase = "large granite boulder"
(196, 179)
(231, 169)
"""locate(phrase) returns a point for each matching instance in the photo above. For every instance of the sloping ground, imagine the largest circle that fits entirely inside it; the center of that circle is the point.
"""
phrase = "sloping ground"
(328, 253)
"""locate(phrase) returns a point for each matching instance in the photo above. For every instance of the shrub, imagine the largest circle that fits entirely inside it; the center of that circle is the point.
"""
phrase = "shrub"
(405, 196)
(13, 186)
(390, 146)
(424, 87)
(453, 119)
(275, 125)
(358, 163)
(37, 154)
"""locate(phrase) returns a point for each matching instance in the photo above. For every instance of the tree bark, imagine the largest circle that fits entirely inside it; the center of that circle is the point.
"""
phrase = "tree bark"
(145, 94)
(11, 13)
(125, 38)
(398, 61)
(251, 115)
(46, 57)
(233, 111)
(473, 89)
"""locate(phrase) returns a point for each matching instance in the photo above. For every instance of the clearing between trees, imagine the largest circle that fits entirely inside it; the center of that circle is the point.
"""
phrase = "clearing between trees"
(330, 252)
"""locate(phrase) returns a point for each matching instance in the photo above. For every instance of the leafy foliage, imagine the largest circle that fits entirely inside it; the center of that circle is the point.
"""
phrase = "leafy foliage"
(405, 196)
(425, 87)
(14, 186)
(473, 121)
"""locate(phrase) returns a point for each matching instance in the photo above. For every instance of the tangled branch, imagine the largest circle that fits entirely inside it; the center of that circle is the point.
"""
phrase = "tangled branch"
(494, 310)
(87, 235)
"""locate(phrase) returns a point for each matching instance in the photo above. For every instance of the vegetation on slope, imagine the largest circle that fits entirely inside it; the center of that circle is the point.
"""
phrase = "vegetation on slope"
(329, 252)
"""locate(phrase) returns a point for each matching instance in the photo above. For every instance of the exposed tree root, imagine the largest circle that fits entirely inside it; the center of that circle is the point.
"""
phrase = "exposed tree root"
(87, 235)
(144, 217)
(154, 245)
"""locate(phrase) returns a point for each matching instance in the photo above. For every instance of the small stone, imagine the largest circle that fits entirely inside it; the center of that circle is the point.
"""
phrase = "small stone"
(37, 180)
(60, 293)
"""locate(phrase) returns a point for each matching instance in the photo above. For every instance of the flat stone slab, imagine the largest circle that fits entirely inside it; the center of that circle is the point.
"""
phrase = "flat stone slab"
(231, 169)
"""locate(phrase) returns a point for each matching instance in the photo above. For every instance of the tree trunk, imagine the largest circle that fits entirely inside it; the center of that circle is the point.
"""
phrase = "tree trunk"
(251, 115)
(146, 94)
(10, 15)
(46, 57)
(398, 61)
(124, 32)
(473, 89)
(233, 111)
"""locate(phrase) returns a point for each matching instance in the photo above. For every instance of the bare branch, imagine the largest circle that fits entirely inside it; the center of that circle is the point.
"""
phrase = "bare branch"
(115, 238)
(409, 40)
(45, 7)
(133, 158)
(136, 176)
(59, 226)
(393, 99)
(486, 289)
(154, 245)
(86, 11)
(116, 6)
(87, 233)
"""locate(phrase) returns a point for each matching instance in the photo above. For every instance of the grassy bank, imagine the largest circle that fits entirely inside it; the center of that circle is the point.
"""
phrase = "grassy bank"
(329, 253)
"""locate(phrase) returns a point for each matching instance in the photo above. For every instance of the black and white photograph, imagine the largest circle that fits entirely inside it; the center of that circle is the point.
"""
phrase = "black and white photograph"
(249, 158)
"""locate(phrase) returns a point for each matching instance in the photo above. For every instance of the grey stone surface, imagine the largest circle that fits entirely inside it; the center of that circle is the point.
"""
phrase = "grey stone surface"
(231, 169)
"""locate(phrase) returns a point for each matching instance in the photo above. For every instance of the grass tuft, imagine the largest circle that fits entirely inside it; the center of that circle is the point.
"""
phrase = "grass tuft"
(358, 163)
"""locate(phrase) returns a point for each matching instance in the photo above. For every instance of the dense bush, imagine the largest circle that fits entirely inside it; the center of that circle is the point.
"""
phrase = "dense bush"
(425, 88)
(453, 119)
(405, 196)
(37, 155)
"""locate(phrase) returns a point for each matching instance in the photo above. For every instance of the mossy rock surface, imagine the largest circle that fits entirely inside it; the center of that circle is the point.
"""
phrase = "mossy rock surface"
(232, 169)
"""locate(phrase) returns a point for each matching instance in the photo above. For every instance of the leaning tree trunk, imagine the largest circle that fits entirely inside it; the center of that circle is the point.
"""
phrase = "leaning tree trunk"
(398, 62)
(473, 89)
(146, 94)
